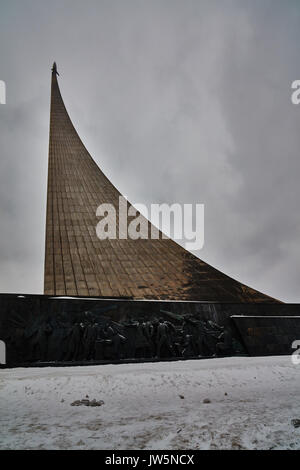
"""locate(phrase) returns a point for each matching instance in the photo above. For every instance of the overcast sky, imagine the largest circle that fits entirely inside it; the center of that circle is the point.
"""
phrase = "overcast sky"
(177, 101)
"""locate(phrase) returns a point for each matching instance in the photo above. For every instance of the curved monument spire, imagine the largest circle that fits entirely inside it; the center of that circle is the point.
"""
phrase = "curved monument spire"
(77, 263)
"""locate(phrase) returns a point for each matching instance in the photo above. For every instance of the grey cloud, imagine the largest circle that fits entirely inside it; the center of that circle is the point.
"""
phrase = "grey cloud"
(177, 102)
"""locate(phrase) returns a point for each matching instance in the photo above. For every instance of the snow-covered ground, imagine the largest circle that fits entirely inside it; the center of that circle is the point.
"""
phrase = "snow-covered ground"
(153, 406)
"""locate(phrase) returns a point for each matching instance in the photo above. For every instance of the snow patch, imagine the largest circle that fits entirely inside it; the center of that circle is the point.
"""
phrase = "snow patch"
(154, 406)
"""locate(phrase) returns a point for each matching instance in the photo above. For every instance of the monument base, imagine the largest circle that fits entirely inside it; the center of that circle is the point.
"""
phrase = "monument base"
(47, 330)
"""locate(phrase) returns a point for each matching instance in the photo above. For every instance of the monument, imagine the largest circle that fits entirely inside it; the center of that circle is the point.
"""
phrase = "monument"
(123, 299)
(77, 263)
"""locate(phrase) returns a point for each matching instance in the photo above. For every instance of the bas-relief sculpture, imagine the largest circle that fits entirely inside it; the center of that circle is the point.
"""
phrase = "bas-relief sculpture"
(90, 336)
(40, 329)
